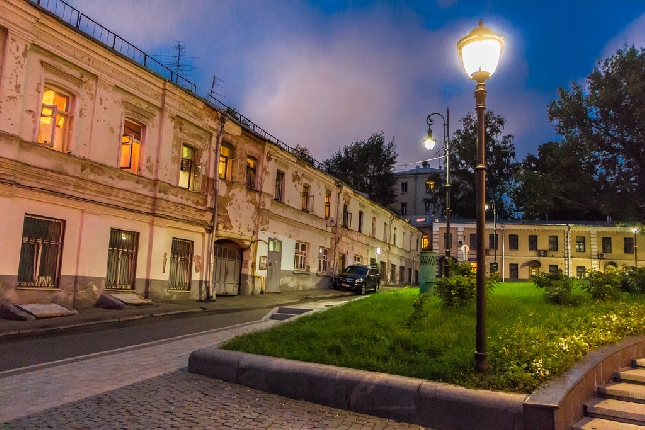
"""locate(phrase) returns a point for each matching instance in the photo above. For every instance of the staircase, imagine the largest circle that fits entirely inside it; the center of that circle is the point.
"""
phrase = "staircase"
(619, 405)
(284, 313)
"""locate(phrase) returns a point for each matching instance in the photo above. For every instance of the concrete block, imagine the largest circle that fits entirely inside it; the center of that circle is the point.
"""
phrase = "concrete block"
(11, 312)
(252, 371)
(445, 406)
(106, 301)
(303, 381)
(215, 363)
(388, 396)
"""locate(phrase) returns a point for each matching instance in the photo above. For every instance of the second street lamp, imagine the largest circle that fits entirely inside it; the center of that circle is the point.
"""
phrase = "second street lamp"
(480, 52)
(429, 143)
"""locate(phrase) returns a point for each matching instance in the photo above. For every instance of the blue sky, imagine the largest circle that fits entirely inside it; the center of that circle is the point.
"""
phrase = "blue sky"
(323, 74)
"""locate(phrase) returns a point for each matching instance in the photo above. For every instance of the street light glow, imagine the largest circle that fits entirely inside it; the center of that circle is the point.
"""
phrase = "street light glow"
(480, 52)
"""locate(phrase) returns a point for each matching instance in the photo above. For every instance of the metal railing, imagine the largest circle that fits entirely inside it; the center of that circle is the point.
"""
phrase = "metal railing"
(96, 31)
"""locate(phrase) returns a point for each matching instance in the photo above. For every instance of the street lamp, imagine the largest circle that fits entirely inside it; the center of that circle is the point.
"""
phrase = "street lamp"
(429, 143)
(635, 230)
(480, 52)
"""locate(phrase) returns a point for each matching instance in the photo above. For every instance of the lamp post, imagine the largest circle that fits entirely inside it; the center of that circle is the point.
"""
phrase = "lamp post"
(635, 230)
(429, 143)
(480, 52)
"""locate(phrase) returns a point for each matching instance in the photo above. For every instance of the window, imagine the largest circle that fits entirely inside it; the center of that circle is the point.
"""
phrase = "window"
(394, 241)
(130, 146)
(323, 258)
(251, 170)
(628, 245)
(493, 241)
(187, 168)
(40, 252)
(513, 273)
(473, 241)
(347, 217)
(425, 242)
(342, 261)
(327, 204)
(403, 241)
(427, 206)
(54, 119)
(553, 243)
(404, 187)
(357, 259)
(404, 209)
(533, 246)
(445, 241)
(606, 245)
(360, 221)
(417, 244)
(553, 268)
(384, 232)
(373, 226)
(392, 273)
(224, 168)
(279, 186)
(401, 274)
(300, 258)
(181, 263)
(580, 244)
(581, 271)
(429, 186)
(305, 198)
(513, 241)
(122, 259)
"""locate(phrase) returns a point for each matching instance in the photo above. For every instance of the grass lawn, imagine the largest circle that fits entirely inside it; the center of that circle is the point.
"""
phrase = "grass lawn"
(529, 340)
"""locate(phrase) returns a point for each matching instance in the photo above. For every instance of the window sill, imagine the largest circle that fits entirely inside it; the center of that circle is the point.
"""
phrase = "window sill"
(26, 287)
(301, 272)
(172, 290)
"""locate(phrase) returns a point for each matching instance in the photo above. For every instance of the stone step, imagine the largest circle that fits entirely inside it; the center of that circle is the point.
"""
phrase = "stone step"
(588, 423)
(639, 362)
(280, 316)
(628, 412)
(293, 311)
(623, 391)
(636, 376)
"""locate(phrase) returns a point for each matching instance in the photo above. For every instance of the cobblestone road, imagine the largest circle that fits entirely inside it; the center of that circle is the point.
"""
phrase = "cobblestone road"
(184, 400)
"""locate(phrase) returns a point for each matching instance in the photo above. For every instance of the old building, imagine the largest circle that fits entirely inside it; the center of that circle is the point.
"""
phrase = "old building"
(117, 176)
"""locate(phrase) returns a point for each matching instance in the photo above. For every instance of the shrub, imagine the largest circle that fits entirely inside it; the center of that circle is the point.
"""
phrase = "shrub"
(419, 315)
(556, 286)
(632, 280)
(460, 289)
(602, 286)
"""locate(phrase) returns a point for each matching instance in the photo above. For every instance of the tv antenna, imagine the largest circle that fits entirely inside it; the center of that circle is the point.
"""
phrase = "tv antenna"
(213, 93)
(179, 63)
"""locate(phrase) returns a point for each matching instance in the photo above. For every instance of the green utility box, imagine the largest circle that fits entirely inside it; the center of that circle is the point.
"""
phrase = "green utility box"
(427, 271)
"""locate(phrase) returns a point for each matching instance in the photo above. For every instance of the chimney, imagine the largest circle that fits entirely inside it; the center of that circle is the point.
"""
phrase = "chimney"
(424, 163)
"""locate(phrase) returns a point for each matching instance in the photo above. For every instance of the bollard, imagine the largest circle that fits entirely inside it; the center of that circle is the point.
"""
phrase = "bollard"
(427, 271)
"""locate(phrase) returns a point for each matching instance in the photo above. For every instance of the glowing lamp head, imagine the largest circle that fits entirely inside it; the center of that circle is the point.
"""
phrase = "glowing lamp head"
(480, 52)
(429, 141)
(635, 229)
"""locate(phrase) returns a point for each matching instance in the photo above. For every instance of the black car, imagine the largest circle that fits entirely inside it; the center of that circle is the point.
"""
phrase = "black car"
(358, 278)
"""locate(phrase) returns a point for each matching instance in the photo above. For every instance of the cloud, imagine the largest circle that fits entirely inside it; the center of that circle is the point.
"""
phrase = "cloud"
(633, 34)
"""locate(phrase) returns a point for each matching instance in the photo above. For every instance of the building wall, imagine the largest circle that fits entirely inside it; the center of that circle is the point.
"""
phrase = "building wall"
(82, 183)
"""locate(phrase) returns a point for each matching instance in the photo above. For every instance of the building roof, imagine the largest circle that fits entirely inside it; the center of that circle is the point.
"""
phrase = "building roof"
(419, 170)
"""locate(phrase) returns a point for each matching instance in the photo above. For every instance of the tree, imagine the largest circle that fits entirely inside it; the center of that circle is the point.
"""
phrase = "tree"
(559, 183)
(368, 167)
(303, 153)
(608, 119)
(500, 160)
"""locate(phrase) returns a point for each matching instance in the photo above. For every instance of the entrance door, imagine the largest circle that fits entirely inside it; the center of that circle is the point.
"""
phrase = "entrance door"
(274, 262)
(226, 270)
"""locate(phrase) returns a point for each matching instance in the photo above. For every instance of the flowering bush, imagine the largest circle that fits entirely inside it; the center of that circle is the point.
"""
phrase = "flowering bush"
(556, 286)
(602, 286)
(633, 280)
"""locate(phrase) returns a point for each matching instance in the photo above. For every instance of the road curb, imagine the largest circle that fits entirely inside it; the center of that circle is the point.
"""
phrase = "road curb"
(411, 400)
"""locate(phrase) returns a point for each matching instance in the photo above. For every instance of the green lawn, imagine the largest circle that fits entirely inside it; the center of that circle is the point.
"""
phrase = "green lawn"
(529, 340)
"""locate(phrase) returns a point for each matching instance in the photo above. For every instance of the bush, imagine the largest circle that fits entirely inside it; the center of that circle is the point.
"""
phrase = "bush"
(460, 289)
(556, 286)
(602, 286)
(632, 280)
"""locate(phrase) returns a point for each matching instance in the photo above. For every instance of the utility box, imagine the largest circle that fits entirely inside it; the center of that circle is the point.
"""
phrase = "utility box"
(427, 271)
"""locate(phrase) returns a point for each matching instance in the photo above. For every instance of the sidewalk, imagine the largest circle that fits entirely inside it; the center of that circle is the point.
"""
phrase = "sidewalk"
(95, 315)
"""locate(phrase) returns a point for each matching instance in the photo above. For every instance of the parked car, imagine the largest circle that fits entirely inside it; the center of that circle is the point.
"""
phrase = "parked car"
(358, 278)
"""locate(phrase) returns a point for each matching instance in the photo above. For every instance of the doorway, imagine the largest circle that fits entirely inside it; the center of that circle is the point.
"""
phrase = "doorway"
(274, 266)
(226, 268)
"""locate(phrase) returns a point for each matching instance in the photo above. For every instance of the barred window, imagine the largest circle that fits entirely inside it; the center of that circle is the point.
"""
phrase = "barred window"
(323, 258)
(40, 252)
(300, 257)
(181, 262)
(122, 259)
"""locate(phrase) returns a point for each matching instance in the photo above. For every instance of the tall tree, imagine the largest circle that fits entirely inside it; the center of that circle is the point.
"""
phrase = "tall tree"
(609, 120)
(368, 167)
(559, 183)
(500, 160)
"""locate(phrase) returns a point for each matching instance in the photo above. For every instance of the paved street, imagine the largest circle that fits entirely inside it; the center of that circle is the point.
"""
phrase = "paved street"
(146, 386)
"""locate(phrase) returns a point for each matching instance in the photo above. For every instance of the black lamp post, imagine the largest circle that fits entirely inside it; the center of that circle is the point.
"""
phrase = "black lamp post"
(480, 52)
(429, 143)
(635, 230)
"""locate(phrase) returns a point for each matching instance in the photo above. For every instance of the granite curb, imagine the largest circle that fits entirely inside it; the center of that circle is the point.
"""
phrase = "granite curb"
(431, 404)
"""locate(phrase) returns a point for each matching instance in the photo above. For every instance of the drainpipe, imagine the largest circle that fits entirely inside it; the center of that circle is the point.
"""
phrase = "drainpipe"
(333, 277)
(210, 236)
(503, 254)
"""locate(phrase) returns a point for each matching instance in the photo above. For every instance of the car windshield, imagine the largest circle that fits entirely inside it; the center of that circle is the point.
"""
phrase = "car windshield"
(356, 270)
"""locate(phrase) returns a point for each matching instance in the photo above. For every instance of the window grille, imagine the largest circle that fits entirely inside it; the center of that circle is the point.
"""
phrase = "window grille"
(181, 262)
(40, 252)
(122, 259)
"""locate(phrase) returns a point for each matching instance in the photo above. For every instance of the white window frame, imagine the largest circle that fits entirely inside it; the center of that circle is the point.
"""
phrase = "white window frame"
(300, 256)
(65, 115)
(323, 259)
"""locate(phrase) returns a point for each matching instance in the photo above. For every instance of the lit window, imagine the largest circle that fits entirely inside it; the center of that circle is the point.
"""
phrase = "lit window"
(251, 170)
(425, 242)
(181, 261)
(41, 251)
(327, 204)
(300, 257)
(130, 146)
(187, 167)
(54, 119)
(224, 168)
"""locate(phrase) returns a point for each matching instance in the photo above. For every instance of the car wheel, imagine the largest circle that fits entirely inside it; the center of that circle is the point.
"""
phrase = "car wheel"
(376, 286)
(363, 289)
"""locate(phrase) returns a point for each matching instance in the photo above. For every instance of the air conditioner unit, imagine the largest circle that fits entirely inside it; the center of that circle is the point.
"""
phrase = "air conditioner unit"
(542, 252)
(601, 255)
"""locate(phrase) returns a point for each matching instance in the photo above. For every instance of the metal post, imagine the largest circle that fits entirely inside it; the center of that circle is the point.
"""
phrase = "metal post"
(635, 250)
(481, 358)
(495, 231)
(446, 138)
